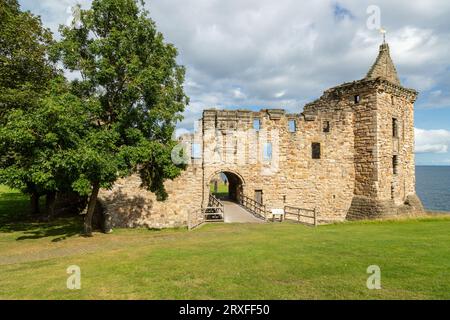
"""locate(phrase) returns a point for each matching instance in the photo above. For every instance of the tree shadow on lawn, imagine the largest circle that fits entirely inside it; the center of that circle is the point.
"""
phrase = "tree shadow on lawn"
(15, 216)
(59, 229)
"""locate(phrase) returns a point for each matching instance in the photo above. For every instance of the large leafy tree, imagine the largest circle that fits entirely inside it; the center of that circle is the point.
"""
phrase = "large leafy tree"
(128, 68)
(37, 145)
(24, 68)
(25, 74)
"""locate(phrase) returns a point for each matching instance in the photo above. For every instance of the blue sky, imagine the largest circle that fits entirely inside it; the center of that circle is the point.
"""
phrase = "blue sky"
(282, 54)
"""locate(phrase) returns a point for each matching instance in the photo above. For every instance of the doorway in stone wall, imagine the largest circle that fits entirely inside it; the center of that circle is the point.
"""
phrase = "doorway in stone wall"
(226, 186)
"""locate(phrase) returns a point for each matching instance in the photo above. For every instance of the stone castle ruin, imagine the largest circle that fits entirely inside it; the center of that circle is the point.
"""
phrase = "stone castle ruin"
(348, 155)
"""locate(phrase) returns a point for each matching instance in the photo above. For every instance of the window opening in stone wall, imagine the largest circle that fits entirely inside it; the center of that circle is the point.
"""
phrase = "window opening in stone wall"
(315, 150)
(292, 125)
(326, 126)
(268, 151)
(394, 127)
(256, 124)
(196, 151)
(395, 164)
(357, 98)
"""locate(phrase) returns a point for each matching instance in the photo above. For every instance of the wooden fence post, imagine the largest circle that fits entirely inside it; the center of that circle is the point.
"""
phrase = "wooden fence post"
(315, 217)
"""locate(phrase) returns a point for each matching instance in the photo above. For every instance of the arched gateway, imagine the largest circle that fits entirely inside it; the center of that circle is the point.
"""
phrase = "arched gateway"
(226, 185)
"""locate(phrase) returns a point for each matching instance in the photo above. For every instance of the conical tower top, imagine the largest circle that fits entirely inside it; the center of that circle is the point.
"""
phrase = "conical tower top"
(384, 67)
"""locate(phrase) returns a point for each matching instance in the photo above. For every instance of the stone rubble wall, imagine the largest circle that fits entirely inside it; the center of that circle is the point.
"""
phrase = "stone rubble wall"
(129, 205)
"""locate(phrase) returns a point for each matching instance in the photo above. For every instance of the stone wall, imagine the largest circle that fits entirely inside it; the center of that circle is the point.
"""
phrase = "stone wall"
(127, 204)
(291, 177)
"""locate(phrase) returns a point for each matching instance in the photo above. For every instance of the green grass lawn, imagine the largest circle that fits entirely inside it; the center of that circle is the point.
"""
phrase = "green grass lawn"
(224, 261)
(222, 190)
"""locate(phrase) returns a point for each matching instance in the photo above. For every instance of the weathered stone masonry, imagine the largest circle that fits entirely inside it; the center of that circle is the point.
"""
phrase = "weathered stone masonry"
(366, 167)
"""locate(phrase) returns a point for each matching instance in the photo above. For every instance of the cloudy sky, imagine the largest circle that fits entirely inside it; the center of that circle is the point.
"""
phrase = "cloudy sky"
(285, 53)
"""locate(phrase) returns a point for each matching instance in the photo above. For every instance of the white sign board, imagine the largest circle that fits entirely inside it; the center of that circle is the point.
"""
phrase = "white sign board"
(277, 212)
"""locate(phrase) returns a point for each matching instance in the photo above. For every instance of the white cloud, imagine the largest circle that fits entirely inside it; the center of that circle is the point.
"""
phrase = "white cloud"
(280, 94)
(432, 141)
(238, 94)
(286, 53)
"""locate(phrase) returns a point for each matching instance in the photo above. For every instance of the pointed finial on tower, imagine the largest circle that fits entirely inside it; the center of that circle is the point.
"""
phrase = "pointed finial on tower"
(383, 67)
(383, 32)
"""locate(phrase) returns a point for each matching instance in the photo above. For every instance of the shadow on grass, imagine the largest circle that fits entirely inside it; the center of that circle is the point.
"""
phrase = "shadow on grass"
(15, 216)
(59, 230)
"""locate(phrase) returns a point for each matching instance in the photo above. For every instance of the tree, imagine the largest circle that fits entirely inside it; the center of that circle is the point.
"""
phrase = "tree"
(37, 144)
(24, 68)
(25, 73)
(127, 67)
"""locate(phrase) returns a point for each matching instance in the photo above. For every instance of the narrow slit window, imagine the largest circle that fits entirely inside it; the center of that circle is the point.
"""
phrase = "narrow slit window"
(315, 150)
(357, 98)
(196, 151)
(326, 126)
(256, 124)
(395, 164)
(394, 128)
(268, 151)
(292, 125)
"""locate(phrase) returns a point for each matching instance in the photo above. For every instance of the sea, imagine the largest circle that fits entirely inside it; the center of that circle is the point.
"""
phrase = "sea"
(433, 187)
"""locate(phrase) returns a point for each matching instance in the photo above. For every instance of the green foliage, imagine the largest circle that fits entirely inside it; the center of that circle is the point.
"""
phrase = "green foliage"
(25, 76)
(36, 145)
(127, 67)
(24, 67)
(117, 119)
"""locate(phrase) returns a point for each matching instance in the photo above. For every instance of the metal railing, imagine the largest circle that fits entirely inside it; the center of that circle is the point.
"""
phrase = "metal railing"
(256, 208)
(304, 216)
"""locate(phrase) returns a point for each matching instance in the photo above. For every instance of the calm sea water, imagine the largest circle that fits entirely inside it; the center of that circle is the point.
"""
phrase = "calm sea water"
(433, 187)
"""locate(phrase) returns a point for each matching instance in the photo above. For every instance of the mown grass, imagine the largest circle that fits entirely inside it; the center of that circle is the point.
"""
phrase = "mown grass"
(227, 261)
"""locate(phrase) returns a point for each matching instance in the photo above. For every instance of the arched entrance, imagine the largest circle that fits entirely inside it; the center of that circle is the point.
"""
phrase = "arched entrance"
(226, 188)
(226, 185)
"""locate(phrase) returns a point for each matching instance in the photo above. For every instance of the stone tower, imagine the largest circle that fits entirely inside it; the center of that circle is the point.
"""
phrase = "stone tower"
(384, 143)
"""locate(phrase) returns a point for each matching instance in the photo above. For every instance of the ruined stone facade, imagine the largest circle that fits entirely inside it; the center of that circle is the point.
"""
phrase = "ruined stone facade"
(349, 155)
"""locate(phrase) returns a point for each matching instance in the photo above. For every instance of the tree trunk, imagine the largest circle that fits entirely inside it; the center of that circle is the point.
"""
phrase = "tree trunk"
(91, 209)
(50, 202)
(34, 199)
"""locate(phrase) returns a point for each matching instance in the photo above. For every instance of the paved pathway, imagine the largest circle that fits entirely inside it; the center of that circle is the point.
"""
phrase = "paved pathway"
(235, 213)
